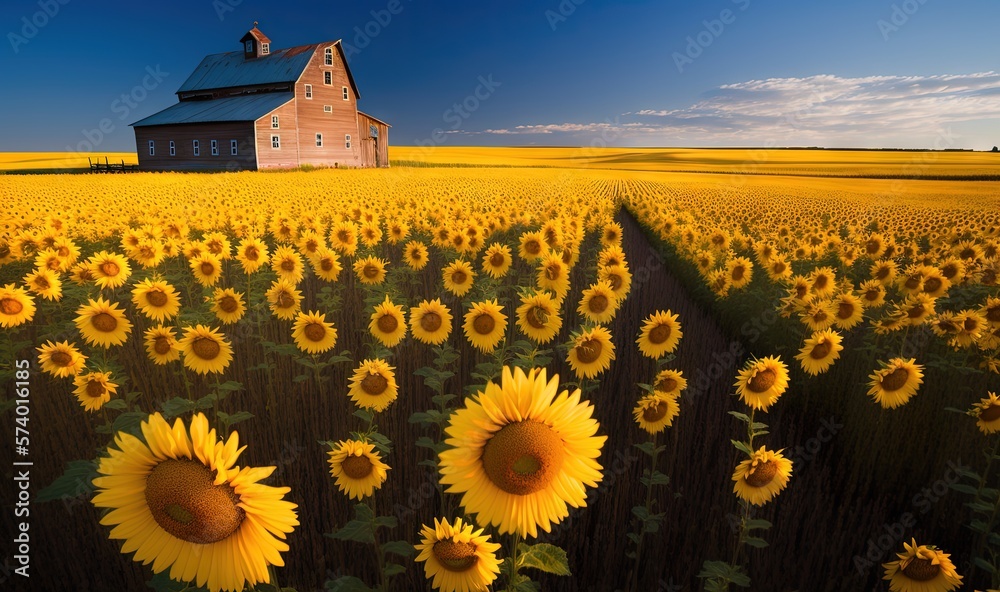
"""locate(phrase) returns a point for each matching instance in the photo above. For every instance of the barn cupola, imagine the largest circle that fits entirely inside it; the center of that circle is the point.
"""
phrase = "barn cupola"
(255, 44)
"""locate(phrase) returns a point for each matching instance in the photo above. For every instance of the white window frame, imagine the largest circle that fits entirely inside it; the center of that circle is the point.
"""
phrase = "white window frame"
(327, 108)
(328, 57)
(265, 48)
(152, 148)
(309, 91)
(274, 122)
(196, 147)
(215, 147)
(327, 78)
(347, 97)
(347, 140)
(234, 148)
(319, 140)
(173, 148)
(275, 142)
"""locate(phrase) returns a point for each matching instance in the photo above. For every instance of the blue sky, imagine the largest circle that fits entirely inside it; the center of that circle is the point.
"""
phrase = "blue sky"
(872, 73)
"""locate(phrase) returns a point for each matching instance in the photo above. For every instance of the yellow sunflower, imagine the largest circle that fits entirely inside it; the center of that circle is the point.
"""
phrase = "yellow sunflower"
(872, 293)
(987, 414)
(739, 270)
(415, 255)
(670, 382)
(94, 389)
(102, 323)
(611, 234)
(388, 323)
(227, 304)
(553, 275)
(538, 317)
(762, 382)
(61, 359)
(179, 502)
(599, 302)
(284, 299)
(519, 453)
(532, 246)
(207, 269)
(205, 350)
(485, 325)
(820, 351)
(497, 260)
(312, 334)
(656, 411)
(45, 283)
(357, 467)
(850, 310)
(619, 277)
(818, 315)
(156, 299)
(252, 254)
(16, 306)
(896, 382)
(591, 353)
(370, 270)
(373, 385)
(326, 265)
(344, 238)
(110, 270)
(760, 478)
(288, 264)
(921, 568)
(161, 345)
(660, 335)
(458, 276)
(823, 281)
(430, 322)
(456, 557)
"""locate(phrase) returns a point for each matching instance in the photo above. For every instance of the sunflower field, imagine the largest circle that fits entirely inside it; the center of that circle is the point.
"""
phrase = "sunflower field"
(504, 378)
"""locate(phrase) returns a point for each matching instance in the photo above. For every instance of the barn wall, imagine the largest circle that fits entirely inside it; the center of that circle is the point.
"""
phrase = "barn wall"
(312, 118)
(367, 143)
(288, 155)
(183, 136)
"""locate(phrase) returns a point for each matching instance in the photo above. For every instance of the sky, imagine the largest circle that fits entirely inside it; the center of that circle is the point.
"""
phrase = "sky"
(853, 73)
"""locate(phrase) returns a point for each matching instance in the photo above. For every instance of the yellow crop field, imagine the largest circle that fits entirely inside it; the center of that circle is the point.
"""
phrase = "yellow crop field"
(512, 368)
(52, 161)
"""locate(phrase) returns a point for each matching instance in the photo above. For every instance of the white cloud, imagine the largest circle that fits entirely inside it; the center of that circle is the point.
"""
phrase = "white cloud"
(824, 109)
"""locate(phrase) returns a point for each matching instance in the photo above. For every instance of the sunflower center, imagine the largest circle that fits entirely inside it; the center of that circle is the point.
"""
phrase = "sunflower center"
(991, 413)
(185, 502)
(932, 284)
(370, 271)
(314, 331)
(326, 265)
(921, 570)
(971, 324)
(659, 334)
(589, 351)
(762, 474)
(872, 294)
(872, 247)
(820, 350)
(343, 236)
(484, 324)
(536, 317)
(228, 304)
(206, 348)
(156, 297)
(845, 310)
(820, 316)
(10, 306)
(430, 322)
(415, 255)
(207, 268)
(42, 283)
(161, 345)
(778, 267)
(655, 413)
(532, 247)
(666, 385)
(110, 268)
(738, 272)
(496, 260)
(552, 272)
(104, 322)
(285, 300)
(967, 253)
(616, 281)
(912, 282)
(387, 323)
(895, 380)
(993, 314)
(251, 254)
(288, 265)
(523, 457)
(95, 388)
(762, 380)
(374, 384)
(455, 556)
(598, 304)
(458, 277)
(61, 358)
(357, 467)
(820, 282)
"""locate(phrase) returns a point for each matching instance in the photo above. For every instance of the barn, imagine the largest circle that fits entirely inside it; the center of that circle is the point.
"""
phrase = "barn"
(264, 108)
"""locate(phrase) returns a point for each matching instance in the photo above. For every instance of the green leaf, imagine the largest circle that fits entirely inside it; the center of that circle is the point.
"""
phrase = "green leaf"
(756, 542)
(176, 406)
(347, 584)
(658, 478)
(161, 582)
(117, 404)
(364, 415)
(231, 420)
(963, 488)
(985, 565)
(393, 569)
(387, 521)
(359, 529)
(129, 422)
(740, 416)
(543, 556)
(649, 449)
(207, 402)
(228, 386)
(76, 481)
(401, 548)
(742, 447)
(758, 524)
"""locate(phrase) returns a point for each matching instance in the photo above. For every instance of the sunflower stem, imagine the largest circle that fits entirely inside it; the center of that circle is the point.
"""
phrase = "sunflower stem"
(512, 577)
(649, 508)
(379, 554)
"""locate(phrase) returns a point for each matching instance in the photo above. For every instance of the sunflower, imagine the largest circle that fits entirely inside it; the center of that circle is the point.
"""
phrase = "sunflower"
(850, 310)
(312, 334)
(326, 265)
(820, 351)
(553, 275)
(156, 299)
(430, 322)
(761, 382)
(102, 323)
(45, 283)
(519, 453)
(656, 411)
(178, 501)
(397, 231)
(591, 352)
(388, 323)
(161, 345)
(739, 271)
(619, 278)
(598, 302)
(370, 270)
(415, 255)
(371, 233)
(497, 260)
(218, 245)
(457, 558)
(373, 385)
(288, 264)
(110, 270)
(532, 246)
(987, 414)
(207, 269)
(761, 477)
(613, 255)
(458, 276)
(660, 335)
(872, 293)
(94, 389)
(971, 327)
(896, 382)
(823, 281)
(357, 467)
(344, 238)
(205, 350)
(819, 315)
(611, 234)
(284, 299)
(252, 254)
(61, 359)
(485, 325)
(670, 382)
(538, 317)
(921, 568)
(228, 305)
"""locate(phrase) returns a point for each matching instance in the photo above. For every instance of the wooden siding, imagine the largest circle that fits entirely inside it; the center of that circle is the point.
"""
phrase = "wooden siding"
(374, 150)
(288, 155)
(183, 137)
(312, 119)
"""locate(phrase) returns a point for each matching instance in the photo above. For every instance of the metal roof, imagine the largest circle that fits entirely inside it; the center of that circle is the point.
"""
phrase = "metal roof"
(224, 70)
(373, 118)
(246, 108)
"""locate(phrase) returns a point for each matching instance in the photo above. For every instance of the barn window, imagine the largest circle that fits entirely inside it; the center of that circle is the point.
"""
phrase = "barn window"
(276, 142)
(328, 78)
(234, 148)
(173, 148)
(265, 48)
(328, 58)
(309, 91)
(344, 89)
(319, 140)
(347, 140)
(274, 122)
(196, 147)
(328, 108)
(215, 147)
(152, 148)
(249, 46)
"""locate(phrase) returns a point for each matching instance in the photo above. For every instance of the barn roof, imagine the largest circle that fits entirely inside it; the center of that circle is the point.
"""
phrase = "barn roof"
(246, 108)
(363, 114)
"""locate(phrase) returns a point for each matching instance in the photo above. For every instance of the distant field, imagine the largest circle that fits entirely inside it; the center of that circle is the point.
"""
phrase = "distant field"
(54, 161)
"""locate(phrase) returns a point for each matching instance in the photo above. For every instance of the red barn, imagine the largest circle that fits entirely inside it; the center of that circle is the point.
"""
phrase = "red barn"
(260, 108)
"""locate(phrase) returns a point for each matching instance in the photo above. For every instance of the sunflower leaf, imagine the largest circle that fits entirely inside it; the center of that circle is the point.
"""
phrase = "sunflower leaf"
(963, 488)
(742, 447)
(235, 418)
(161, 582)
(401, 548)
(129, 422)
(360, 529)
(176, 406)
(757, 524)
(75, 482)
(740, 416)
(393, 569)
(347, 584)
(117, 404)
(548, 558)
(985, 565)
(756, 542)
